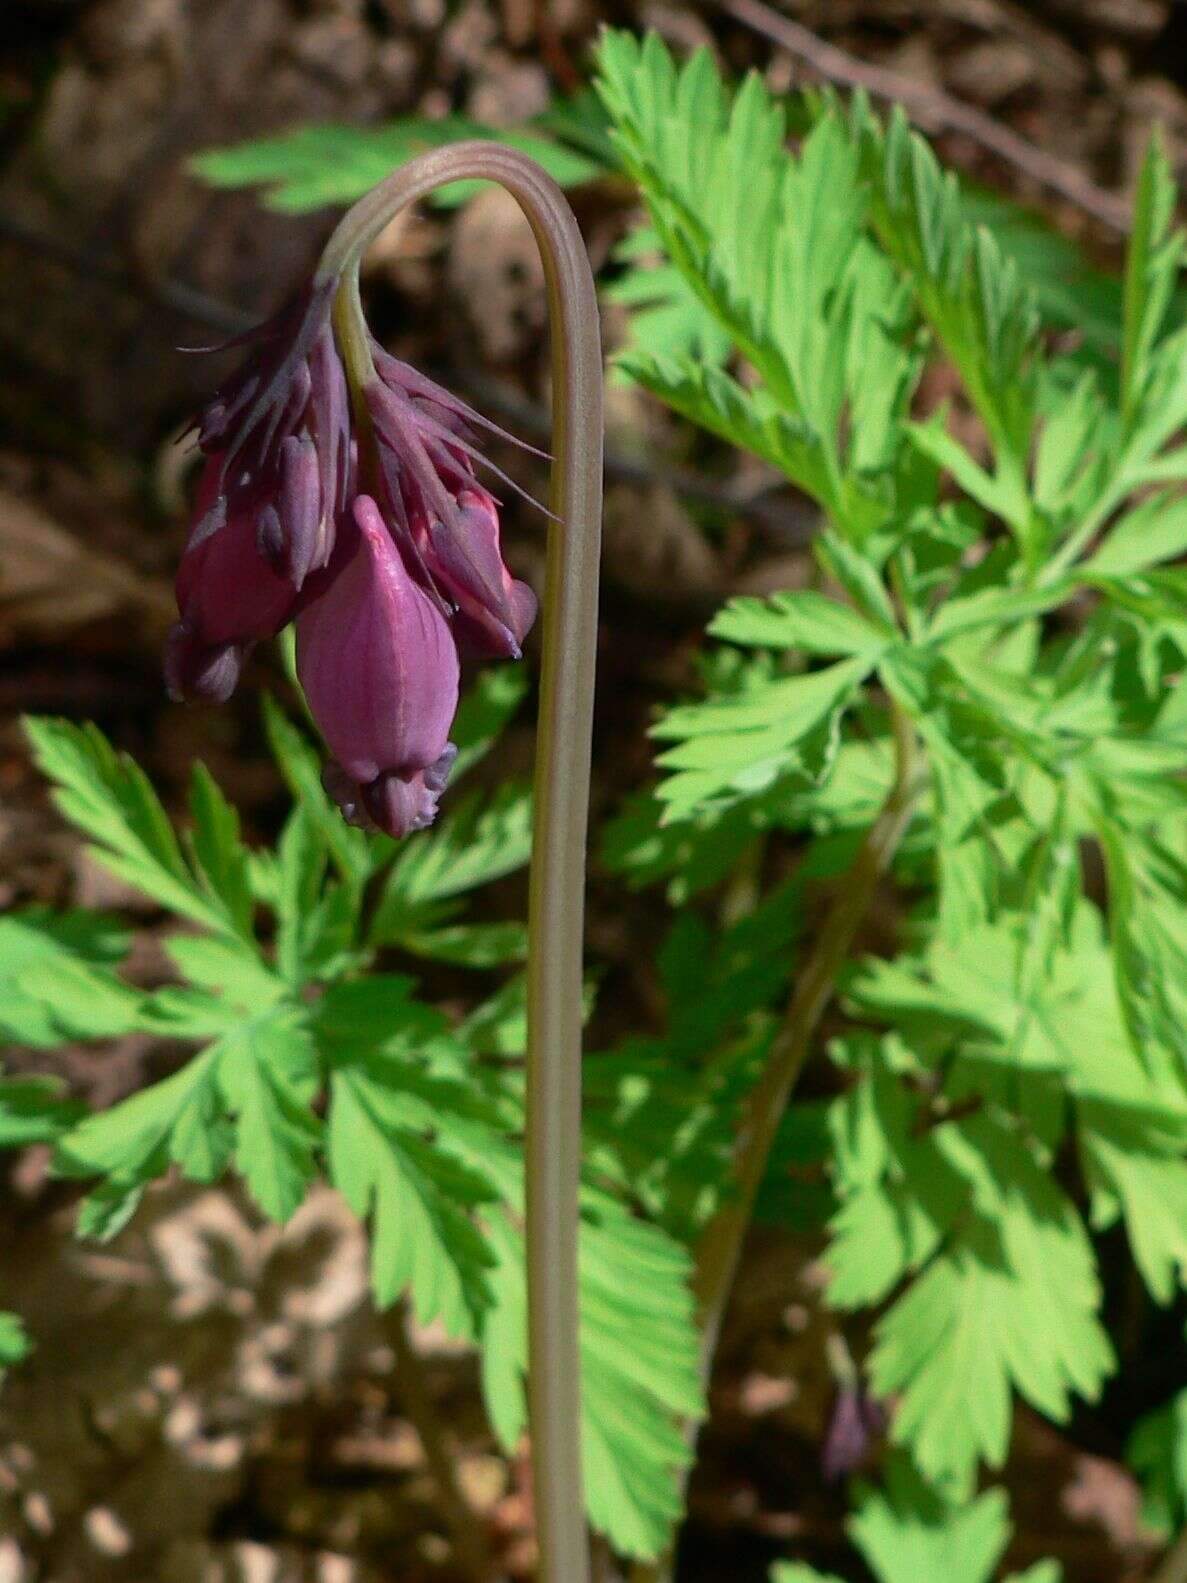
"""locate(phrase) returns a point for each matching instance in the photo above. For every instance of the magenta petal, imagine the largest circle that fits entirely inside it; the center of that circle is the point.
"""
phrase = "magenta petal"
(395, 804)
(200, 672)
(377, 661)
(306, 535)
(400, 806)
(467, 559)
(227, 594)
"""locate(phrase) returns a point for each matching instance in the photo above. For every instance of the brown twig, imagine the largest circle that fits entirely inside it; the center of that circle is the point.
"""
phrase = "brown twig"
(720, 1248)
(934, 110)
(465, 1527)
(1174, 1564)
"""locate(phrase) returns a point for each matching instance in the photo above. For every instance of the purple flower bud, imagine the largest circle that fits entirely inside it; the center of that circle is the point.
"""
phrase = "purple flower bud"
(380, 670)
(397, 804)
(495, 611)
(446, 524)
(279, 429)
(228, 596)
(382, 592)
(299, 534)
(857, 1421)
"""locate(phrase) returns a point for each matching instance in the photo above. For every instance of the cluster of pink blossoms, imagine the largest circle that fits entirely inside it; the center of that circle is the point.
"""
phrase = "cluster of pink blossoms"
(383, 548)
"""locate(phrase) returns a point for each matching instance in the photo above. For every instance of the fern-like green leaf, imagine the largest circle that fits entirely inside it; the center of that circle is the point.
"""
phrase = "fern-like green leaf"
(57, 980)
(737, 745)
(639, 1371)
(772, 247)
(110, 799)
(907, 1533)
(1155, 253)
(334, 163)
(247, 1095)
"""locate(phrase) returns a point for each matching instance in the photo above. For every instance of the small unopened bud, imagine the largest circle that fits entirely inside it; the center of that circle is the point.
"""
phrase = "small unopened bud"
(857, 1422)
(435, 503)
(306, 538)
(228, 596)
(495, 610)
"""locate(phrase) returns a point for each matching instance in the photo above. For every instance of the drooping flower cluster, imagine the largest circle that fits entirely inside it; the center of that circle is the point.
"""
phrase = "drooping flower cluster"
(383, 546)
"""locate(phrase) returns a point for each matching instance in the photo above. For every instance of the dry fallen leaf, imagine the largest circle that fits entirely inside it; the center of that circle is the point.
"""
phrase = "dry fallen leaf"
(51, 582)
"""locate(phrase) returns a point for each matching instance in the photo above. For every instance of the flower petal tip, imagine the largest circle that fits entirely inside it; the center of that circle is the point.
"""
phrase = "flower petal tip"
(394, 803)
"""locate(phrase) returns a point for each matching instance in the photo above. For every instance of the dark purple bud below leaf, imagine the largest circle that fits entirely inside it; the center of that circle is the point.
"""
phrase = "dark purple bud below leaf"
(857, 1422)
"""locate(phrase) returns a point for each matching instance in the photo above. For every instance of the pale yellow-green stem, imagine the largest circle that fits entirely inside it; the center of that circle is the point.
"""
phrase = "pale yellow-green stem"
(556, 906)
(720, 1248)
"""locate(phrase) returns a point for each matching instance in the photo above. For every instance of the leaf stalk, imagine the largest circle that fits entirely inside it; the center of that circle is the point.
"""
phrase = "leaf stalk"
(720, 1250)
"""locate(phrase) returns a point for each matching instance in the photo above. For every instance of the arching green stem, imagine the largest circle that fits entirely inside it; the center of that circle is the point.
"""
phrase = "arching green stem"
(556, 907)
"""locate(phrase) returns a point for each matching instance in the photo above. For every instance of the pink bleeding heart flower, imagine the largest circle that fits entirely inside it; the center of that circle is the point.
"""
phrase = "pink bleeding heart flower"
(494, 610)
(278, 434)
(379, 666)
(445, 520)
(228, 597)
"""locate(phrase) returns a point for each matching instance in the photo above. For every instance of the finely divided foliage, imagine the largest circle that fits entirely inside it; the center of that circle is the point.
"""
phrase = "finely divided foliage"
(309, 1058)
(1012, 603)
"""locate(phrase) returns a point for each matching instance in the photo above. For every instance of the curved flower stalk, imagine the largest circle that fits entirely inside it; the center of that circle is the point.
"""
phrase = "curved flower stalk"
(341, 492)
